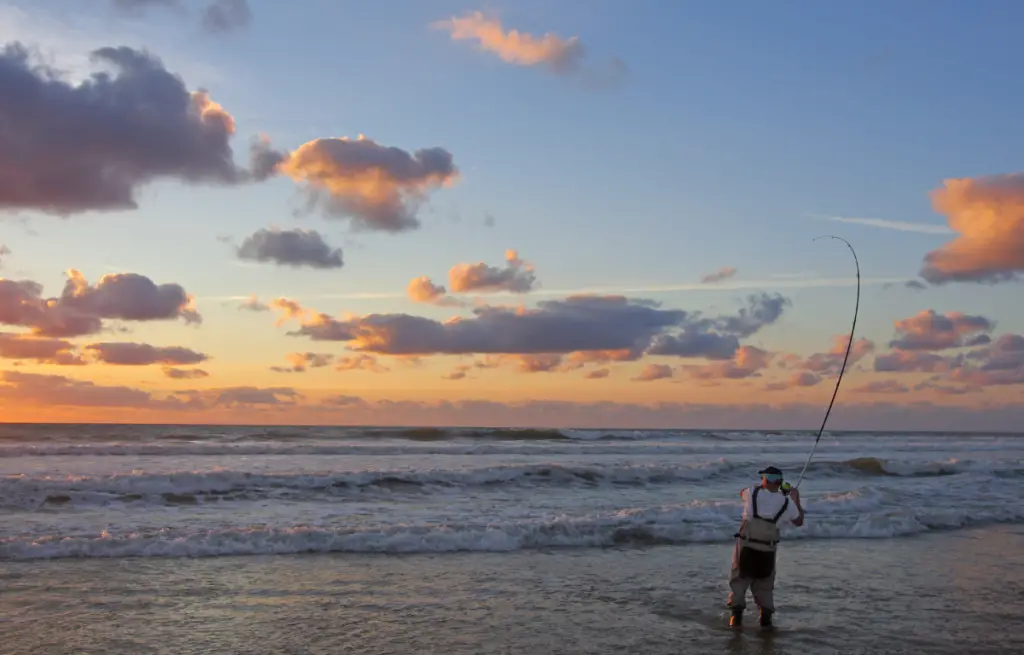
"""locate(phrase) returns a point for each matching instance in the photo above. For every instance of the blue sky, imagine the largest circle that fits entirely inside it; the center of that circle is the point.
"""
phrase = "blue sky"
(736, 127)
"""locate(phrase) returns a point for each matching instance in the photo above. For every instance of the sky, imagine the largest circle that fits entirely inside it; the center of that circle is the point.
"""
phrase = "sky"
(589, 214)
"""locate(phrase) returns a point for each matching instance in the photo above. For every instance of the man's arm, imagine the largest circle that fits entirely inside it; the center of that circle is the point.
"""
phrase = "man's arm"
(798, 520)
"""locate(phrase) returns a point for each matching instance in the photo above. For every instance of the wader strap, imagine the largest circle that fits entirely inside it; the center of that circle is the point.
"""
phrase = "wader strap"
(753, 506)
(756, 541)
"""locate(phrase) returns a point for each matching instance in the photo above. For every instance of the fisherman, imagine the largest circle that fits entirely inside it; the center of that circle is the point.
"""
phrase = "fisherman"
(753, 561)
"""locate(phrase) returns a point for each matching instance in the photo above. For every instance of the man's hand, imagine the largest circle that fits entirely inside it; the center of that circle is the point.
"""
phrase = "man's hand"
(798, 521)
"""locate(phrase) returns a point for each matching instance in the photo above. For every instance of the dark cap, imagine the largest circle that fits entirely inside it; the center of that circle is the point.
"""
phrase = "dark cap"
(771, 470)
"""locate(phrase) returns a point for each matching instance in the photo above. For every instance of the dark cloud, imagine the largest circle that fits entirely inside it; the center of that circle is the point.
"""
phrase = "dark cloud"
(185, 373)
(606, 324)
(555, 326)
(718, 276)
(4, 250)
(377, 187)
(761, 310)
(226, 15)
(928, 330)
(295, 248)
(67, 149)
(81, 308)
(695, 343)
(1000, 364)
(904, 361)
(360, 363)
(42, 350)
(516, 276)
(143, 354)
(235, 396)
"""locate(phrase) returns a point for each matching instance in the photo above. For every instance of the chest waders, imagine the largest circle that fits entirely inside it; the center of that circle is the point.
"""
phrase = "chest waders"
(759, 537)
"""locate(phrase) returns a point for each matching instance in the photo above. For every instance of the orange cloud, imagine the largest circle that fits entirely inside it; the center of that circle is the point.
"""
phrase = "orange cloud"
(517, 276)
(654, 372)
(42, 350)
(423, 290)
(378, 187)
(748, 361)
(558, 54)
(928, 330)
(988, 214)
(360, 363)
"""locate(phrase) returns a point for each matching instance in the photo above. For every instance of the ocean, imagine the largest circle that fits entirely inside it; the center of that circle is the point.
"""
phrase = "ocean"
(128, 538)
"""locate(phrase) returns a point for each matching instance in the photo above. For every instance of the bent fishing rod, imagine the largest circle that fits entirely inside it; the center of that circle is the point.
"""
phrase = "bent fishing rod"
(849, 346)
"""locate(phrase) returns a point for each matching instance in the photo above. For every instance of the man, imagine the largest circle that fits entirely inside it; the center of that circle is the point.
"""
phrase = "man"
(753, 560)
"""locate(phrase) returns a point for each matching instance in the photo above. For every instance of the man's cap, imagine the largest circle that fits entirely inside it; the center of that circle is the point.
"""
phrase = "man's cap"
(771, 470)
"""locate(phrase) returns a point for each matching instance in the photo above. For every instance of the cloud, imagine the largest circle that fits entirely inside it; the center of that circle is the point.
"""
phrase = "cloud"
(360, 363)
(603, 324)
(303, 360)
(557, 54)
(928, 330)
(423, 290)
(721, 274)
(555, 326)
(796, 379)
(253, 304)
(882, 386)
(379, 188)
(988, 215)
(516, 277)
(223, 16)
(246, 396)
(136, 126)
(42, 350)
(901, 226)
(57, 390)
(218, 17)
(653, 372)
(81, 308)
(748, 361)
(295, 248)
(185, 374)
(143, 354)
(598, 374)
(4, 250)
(999, 364)
(831, 362)
(902, 361)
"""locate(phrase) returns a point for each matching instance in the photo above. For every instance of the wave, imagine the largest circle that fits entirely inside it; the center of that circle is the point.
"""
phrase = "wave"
(701, 521)
(194, 487)
(876, 466)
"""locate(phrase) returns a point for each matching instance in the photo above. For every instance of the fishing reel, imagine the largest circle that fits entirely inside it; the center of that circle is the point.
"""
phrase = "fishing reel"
(786, 488)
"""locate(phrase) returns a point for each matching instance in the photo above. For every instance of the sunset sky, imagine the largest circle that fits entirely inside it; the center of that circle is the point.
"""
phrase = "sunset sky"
(516, 213)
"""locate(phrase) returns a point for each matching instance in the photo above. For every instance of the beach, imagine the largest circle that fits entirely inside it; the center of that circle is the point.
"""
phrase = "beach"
(165, 540)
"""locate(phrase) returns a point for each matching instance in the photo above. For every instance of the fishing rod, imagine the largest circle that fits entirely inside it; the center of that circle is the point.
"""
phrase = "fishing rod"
(849, 345)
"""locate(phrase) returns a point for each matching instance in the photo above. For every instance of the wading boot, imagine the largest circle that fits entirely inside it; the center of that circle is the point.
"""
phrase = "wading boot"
(766, 620)
(736, 620)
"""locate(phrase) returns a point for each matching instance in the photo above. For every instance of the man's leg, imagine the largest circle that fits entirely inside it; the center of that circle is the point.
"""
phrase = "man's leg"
(738, 586)
(763, 590)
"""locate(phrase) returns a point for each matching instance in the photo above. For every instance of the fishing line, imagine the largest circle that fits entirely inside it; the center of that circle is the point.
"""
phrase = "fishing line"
(849, 345)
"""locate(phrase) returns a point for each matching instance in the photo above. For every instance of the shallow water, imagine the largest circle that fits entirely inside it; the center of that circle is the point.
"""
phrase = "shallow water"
(959, 592)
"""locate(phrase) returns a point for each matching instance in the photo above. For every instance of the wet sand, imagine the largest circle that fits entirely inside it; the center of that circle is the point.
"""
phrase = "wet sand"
(955, 592)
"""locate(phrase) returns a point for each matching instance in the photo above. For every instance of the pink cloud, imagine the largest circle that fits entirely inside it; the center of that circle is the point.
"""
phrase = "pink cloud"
(516, 277)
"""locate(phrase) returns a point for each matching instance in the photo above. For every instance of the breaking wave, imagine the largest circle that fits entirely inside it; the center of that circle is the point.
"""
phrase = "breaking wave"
(697, 522)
